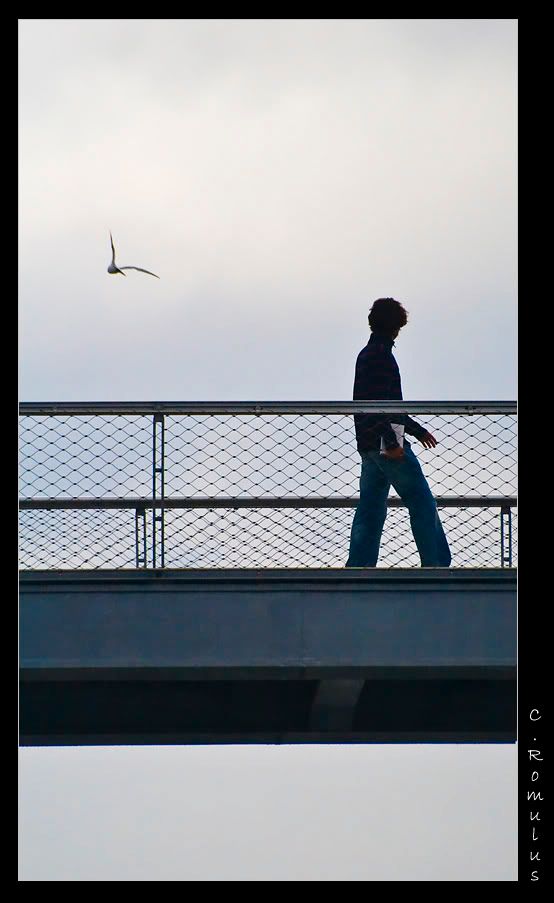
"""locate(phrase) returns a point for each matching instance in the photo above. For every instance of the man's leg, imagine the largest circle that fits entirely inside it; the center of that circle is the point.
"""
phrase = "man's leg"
(370, 515)
(408, 479)
(443, 549)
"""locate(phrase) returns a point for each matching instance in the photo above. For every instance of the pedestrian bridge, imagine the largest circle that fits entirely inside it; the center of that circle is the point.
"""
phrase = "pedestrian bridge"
(268, 656)
(182, 579)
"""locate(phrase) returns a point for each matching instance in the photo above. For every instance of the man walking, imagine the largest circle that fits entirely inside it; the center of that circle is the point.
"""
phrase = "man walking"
(387, 458)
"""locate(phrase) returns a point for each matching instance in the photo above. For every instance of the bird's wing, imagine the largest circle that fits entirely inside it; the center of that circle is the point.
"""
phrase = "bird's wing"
(140, 270)
(113, 249)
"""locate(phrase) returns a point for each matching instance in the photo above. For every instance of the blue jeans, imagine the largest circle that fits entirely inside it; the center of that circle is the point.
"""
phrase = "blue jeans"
(406, 475)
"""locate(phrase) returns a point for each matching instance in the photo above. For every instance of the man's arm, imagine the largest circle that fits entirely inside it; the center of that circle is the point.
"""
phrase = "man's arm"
(377, 380)
(413, 428)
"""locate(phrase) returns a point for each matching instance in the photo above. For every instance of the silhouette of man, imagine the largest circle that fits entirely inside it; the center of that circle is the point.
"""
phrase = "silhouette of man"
(387, 457)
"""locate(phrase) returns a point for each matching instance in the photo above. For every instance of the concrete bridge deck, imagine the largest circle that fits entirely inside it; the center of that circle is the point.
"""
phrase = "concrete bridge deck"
(268, 656)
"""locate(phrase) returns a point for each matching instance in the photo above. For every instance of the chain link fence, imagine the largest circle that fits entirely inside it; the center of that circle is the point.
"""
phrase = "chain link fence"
(249, 484)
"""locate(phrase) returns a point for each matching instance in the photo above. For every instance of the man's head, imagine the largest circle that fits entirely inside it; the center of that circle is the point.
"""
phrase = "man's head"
(387, 316)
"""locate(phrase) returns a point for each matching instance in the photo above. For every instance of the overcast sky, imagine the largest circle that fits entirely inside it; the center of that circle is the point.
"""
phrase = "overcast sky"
(269, 813)
(278, 175)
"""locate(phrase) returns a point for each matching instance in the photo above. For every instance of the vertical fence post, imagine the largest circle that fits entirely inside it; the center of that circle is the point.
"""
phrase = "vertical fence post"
(505, 536)
(140, 536)
(158, 488)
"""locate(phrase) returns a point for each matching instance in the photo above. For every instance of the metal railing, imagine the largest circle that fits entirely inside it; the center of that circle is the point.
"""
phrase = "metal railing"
(249, 484)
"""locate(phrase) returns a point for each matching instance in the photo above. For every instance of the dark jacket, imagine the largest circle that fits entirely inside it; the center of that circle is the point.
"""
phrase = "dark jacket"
(378, 379)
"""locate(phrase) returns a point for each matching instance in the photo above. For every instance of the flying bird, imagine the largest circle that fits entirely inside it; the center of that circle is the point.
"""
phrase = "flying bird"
(115, 269)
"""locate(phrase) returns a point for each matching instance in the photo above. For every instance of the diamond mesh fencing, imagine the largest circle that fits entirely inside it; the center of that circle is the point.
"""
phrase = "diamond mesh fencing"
(192, 485)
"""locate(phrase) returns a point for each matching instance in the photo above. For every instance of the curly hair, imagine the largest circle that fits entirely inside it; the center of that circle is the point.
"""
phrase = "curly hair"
(387, 316)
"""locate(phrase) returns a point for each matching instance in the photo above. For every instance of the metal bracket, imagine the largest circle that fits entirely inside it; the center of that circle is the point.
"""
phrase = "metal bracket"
(334, 705)
(140, 536)
(505, 537)
(158, 489)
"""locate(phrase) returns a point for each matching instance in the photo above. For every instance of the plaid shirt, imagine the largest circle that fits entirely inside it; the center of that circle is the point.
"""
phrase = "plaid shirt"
(378, 379)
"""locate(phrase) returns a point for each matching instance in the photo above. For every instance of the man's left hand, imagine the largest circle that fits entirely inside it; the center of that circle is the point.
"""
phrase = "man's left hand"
(428, 440)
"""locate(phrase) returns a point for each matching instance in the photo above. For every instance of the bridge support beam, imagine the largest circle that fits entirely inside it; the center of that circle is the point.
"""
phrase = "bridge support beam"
(270, 656)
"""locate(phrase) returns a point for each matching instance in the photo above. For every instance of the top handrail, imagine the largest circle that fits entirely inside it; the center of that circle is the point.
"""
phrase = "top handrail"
(76, 408)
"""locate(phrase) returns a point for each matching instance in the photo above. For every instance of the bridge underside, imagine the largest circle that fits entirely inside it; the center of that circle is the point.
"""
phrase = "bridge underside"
(267, 656)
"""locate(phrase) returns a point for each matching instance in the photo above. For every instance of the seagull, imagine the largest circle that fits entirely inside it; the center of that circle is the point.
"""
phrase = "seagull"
(114, 269)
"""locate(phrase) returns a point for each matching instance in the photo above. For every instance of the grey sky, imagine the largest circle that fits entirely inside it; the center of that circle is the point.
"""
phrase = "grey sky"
(270, 813)
(278, 175)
